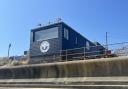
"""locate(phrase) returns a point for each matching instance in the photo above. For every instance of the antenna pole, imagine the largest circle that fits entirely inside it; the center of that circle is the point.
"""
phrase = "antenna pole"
(9, 49)
(106, 43)
(107, 40)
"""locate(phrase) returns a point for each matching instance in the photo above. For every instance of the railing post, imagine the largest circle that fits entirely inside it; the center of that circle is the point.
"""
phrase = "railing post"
(61, 55)
(54, 57)
(106, 52)
(66, 55)
(84, 53)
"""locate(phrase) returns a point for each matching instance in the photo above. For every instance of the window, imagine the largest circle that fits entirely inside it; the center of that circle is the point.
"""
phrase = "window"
(87, 45)
(66, 34)
(46, 34)
(76, 40)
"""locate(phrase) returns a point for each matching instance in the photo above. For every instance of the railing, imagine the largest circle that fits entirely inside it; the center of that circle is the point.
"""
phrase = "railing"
(83, 53)
(117, 49)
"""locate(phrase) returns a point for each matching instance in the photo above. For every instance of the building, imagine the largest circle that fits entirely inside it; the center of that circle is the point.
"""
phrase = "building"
(49, 42)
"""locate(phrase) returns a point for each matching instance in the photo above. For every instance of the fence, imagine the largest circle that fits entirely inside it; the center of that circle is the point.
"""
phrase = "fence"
(98, 51)
(83, 53)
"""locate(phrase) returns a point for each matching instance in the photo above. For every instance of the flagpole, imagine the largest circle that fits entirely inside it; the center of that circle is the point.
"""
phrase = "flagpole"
(9, 49)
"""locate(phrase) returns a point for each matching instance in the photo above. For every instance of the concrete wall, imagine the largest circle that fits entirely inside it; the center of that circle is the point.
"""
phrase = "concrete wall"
(108, 67)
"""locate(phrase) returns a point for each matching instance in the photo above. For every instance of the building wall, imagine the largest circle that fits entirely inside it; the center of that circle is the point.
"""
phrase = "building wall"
(72, 39)
(55, 44)
(86, 68)
(60, 43)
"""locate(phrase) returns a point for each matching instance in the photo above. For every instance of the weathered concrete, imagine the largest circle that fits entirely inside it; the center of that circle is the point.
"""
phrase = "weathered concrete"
(107, 67)
(32, 88)
(106, 73)
(89, 87)
(70, 87)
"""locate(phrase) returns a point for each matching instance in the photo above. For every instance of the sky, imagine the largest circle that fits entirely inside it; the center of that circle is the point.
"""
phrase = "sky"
(91, 18)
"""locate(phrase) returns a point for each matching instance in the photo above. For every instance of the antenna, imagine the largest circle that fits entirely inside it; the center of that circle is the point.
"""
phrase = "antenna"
(59, 19)
(9, 46)
(107, 41)
(106, 50)
(49, 22)
(39, 25)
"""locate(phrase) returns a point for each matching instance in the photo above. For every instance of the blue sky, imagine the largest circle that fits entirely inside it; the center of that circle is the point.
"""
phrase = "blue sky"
(91, 18)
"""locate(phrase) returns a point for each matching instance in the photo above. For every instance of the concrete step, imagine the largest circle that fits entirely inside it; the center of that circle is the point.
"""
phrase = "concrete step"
(68, 81)
(63, 86)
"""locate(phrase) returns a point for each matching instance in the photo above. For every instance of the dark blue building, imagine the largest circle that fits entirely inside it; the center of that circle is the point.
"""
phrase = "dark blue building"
(49, 42)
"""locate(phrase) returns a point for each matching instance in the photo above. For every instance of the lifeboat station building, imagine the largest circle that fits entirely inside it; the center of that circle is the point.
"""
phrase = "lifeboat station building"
(60, 42)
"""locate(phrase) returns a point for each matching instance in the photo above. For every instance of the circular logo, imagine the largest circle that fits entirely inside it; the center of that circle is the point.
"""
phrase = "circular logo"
(44, 47)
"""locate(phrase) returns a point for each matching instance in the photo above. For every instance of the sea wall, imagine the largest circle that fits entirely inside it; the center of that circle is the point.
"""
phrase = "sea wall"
(105, 67)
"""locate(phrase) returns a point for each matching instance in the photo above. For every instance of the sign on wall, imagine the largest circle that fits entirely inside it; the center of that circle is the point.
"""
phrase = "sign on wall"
(44, 47)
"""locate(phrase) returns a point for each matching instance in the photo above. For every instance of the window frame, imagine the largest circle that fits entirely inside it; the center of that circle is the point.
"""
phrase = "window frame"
(76, 40)
(34, 34)
(87, 45)
(66, 33)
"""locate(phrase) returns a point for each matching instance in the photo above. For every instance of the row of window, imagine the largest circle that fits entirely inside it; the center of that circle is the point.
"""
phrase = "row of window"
(46, 34)
(66, 36)
(53, 33)
(49, 34)
(66, 33)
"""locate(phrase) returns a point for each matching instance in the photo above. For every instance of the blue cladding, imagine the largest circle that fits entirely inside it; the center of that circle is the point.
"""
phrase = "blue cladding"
(64, 41)
(54, 48)
(54, 44)
(71, 42)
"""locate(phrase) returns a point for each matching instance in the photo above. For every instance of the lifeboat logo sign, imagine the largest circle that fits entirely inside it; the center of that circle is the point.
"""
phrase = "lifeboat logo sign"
(44, 47)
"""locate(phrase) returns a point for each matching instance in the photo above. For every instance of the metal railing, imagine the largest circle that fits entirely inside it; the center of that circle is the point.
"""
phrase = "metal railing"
(83, 53)
(98, 51)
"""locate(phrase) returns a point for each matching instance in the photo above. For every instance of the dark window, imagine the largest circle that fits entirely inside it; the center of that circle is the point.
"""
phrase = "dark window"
(46, 34)
(76, 40)
(87, 45)
(66, 33)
